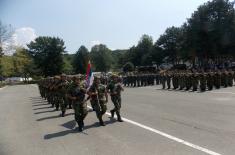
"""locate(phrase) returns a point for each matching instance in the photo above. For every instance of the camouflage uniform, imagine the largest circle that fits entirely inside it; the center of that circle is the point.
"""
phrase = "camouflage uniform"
(115, 89)
(77, 92)
(202, 78)
(98, 97)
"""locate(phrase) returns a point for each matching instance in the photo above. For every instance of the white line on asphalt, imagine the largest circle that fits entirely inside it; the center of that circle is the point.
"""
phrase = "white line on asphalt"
(168, 136)
(223, 93)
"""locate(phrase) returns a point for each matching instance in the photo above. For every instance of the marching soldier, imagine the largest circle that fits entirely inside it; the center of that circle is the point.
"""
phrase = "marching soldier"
(115, 88)
(77, 93)
(202, 78)
(99, 97)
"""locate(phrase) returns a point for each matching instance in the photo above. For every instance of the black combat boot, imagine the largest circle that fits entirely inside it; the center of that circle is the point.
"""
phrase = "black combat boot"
(80, 126)
(112, 113)
(57, 108)
(119, 118)
(63, 113)
(101, 121)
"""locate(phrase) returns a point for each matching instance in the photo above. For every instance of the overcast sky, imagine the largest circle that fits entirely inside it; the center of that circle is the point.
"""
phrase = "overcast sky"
(117, 23)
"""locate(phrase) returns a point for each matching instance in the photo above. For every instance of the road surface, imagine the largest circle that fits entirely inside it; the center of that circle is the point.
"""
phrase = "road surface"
(157, 122)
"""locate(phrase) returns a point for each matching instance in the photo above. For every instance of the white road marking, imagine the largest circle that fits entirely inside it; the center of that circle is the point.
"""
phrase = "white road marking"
(169, 136)
(223, 93)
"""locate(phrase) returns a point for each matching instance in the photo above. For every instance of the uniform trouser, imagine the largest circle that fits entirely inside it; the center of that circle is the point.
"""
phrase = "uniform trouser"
(62, 103)
(203, 87)
(117, 102)
(92, 104)
(80, 111)
(69, 102)
(163, 84)
(210, 86)
(195, 87)
(168, 84)
(188, 86)
(56, 101)
(100, 107)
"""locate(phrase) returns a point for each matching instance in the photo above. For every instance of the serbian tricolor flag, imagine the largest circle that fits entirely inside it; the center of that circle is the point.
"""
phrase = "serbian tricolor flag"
(89, 75)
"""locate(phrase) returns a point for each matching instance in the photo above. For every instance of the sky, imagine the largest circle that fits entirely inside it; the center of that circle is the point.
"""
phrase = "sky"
(119, 24)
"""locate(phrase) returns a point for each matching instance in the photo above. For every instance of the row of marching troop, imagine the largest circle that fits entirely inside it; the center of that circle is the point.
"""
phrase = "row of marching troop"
(182, 79)
(72, 92)
(197, 80)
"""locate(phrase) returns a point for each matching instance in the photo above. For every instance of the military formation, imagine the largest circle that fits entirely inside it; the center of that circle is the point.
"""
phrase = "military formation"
(195, 80)
(187, 80)
(73, 92)
(135, 79)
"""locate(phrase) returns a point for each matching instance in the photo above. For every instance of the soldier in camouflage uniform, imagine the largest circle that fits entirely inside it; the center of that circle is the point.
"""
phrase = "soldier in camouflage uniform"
(210, 80)
(163, 80)
(99, 97)
(77, 93)
(188, 80)
(202, 79)
(168, 80)
(225, 78)
(217, 79)
(115, 88)
(195, 81)
(182, 81)
(230, 78)
(62, 92)
(175, 81)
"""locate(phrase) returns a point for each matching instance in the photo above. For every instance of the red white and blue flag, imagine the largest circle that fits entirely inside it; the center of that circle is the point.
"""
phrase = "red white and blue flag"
(89, 75)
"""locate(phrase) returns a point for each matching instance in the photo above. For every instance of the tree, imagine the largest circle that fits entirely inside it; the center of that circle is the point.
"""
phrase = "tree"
(22, 63)
(6, 32)
(80, 60)
(7, 69)
(47, 53)
(171, 43)
(101, 58)
(5, 36)
(139, 55)
(211, 30)
(68, 61)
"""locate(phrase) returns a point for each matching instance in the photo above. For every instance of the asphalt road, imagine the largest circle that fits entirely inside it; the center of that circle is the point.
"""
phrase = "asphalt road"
(157, 122)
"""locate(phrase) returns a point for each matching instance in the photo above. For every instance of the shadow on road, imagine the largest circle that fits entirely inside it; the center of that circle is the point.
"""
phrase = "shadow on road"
(42, 108)
(60, 134)
(51, 117)
(42, 112)
(96, 124)
(35, 105)
(71, 125)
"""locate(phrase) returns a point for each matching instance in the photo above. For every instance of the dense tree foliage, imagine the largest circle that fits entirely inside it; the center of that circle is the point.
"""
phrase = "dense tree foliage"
(22, 63)
(101, 58)
(68, 66)
(47, 53)
(80, 60)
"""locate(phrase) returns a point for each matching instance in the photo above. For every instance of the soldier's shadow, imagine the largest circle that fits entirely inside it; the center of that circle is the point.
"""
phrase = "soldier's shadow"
(52, 117)
(43, 103)
(71, 126)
